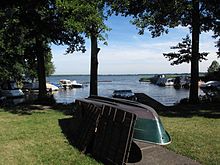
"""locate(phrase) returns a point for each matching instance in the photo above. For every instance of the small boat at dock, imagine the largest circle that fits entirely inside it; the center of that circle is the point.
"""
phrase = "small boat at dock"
(65, 83)
(211, 89)
(124, 94)
(75, 84)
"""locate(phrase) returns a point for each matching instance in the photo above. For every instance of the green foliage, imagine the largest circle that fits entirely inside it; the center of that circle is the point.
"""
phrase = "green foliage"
(184, 52)
(49, 66)
(31, 64)
(24, 22)
(158, 16)
(86, 17)
(11, 45)
(212, 20)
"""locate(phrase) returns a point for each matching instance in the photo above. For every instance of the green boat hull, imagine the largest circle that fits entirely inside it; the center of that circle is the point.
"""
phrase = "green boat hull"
(148, 126)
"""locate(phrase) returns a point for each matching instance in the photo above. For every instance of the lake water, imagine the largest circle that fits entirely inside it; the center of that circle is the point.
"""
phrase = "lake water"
(108, 83)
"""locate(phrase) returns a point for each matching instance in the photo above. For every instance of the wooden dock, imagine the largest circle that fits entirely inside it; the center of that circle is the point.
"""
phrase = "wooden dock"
(147, 100)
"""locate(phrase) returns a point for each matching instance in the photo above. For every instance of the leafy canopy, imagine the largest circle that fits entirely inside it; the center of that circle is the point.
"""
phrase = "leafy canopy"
(158, 16)
(184, 53)
(86, 17)
(17, 44)
(22, 22)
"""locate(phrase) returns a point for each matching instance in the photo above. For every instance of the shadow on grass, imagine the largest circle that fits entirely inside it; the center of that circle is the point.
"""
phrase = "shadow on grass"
(69, 128)
(208, 110)
(30, 106)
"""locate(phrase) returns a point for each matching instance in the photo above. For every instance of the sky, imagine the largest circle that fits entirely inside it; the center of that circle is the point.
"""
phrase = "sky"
(128, 52)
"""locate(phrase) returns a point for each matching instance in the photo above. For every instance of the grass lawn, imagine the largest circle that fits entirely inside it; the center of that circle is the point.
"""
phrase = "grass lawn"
(195, 137)
(36, 139)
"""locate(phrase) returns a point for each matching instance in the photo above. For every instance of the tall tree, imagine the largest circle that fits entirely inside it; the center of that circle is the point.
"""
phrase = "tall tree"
(49, 65)
(38, 23)
(195, 25)
(87, 17)
(11, 59)
(158, 16)
(31, 19)
(31, 62)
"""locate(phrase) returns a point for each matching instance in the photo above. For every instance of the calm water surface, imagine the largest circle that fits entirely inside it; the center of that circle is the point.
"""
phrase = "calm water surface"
(108, 83)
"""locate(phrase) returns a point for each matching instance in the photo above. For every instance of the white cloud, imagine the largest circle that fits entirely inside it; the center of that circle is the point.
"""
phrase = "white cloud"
(128, 52)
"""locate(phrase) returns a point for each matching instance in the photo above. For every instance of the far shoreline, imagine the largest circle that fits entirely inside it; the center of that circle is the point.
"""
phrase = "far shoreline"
(147, 74)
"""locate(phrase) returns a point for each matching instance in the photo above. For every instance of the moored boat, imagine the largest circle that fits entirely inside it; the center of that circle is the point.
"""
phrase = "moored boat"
(65, 83)
(211, 89)
(75, 84)
(124, 94)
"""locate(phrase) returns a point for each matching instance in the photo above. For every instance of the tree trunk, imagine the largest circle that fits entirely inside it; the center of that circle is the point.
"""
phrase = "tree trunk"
(193, 96)
(94, 66)
(41, 69)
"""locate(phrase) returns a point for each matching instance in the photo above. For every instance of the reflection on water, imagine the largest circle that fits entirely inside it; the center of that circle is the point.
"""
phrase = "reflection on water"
(107, 84)
(69, 95)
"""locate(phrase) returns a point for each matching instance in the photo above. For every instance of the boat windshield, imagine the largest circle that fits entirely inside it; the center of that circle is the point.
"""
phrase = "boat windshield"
(13, 85)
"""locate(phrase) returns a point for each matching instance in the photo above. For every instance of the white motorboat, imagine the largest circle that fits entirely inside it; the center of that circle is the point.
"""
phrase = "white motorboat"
(75, 84)
(70, 84)
(65, 83)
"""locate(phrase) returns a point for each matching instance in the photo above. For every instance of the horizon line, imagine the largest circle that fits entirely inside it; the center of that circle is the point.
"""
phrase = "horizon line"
(119, 74)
